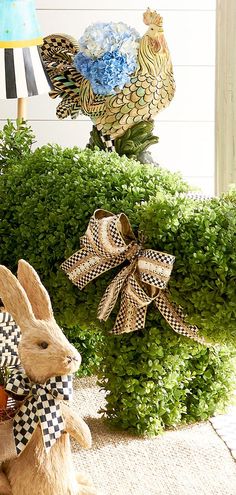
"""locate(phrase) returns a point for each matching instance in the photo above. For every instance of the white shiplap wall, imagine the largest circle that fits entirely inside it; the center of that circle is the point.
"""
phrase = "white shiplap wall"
(186, 128)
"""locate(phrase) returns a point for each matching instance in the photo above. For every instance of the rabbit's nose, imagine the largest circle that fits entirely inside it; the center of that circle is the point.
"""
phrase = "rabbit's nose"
(70, 359)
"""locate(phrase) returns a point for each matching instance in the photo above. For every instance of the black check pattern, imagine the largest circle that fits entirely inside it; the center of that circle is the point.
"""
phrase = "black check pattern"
(9, 340)
(111, 294)
(105, 247)
(169, 259)
(109, 143)
(114, 232)
(195, 195)
(133, 307)
(175, 318)
(81, 276)
(41, 406)
(130, 317)
(109, 226)
(151, 280)
(136, 294)
(92, 260)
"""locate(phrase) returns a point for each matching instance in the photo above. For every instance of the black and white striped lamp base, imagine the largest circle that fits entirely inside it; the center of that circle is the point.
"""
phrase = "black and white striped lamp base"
(22, 73)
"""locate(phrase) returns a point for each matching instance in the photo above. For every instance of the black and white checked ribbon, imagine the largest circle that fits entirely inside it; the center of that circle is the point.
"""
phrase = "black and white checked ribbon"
(41, 406)
(109, 143)
(9, 340)
(108, 242)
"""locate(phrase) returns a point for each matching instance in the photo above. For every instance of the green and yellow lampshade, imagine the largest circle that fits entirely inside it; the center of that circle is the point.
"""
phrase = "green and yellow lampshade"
(21, 69)
(19, 25)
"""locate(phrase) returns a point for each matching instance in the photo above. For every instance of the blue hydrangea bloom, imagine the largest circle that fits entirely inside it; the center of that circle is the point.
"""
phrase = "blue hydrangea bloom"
(110, 71)
(107, 56)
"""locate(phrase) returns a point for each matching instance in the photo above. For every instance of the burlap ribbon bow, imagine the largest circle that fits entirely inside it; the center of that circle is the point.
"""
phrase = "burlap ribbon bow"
(110, 241)
(41, 406)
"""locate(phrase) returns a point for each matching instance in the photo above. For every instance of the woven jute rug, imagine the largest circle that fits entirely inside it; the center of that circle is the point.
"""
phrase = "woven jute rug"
(188, 461)
(225, 426)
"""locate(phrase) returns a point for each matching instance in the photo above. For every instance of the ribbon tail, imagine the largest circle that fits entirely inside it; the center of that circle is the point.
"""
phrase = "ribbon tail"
(18, 384)
(175, 317)
(111, 293)
(52, 424)
(24, 425)
(130, 317)
(133, 308)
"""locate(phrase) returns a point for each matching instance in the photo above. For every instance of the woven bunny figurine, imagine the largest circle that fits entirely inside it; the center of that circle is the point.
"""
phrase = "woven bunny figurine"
(41, 466)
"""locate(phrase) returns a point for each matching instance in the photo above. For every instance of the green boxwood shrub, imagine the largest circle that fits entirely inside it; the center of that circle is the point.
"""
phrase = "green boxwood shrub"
(156, 379)
(90, 345)
(48, 198)
(16, 140)
(46, 201)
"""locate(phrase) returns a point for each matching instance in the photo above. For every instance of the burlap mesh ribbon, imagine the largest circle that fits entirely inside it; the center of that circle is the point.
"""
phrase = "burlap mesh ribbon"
(108, 242)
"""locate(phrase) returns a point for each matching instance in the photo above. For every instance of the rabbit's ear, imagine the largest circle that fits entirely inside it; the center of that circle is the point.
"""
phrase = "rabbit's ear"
(14, 298)
(36, 292)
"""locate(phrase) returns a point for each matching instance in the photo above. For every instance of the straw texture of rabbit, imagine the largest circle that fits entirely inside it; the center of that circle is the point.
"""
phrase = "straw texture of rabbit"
(44, 353)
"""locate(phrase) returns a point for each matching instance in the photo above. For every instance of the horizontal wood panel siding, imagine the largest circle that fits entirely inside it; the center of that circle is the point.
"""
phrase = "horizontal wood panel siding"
(126, 4)
(185, 105)
(186, 128)
(190, 35)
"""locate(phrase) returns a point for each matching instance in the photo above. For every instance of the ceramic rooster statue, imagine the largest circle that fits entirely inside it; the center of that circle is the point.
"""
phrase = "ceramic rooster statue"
(126, 112)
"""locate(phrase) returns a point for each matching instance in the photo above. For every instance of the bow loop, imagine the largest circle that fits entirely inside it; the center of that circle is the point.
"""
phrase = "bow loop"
(155, 267)
(41, 406)
(60, 387)
(111, 237)
(18, 383)
(103, 248)
(108, 242)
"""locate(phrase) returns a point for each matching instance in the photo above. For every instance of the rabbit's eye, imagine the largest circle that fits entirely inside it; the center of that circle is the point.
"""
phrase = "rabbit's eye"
(43, 345)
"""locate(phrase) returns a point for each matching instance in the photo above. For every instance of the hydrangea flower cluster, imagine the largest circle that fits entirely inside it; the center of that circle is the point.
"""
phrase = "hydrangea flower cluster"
(107, 56)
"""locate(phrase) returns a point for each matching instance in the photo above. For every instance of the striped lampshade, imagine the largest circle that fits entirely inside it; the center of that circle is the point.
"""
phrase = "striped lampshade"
(21, 69)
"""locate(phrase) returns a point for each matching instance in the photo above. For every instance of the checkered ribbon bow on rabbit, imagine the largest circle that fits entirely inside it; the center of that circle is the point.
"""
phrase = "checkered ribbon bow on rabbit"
(41, 406)
(108, 242)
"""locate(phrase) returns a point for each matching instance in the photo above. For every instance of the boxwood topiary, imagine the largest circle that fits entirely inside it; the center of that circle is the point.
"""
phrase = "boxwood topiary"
(46, 202)
(156, 379)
